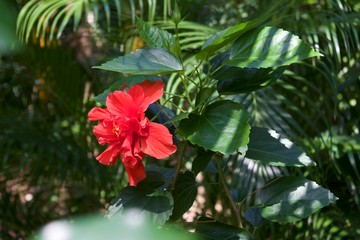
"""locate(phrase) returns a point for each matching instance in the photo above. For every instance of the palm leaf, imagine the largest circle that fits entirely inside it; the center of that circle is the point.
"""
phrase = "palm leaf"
(49, 18)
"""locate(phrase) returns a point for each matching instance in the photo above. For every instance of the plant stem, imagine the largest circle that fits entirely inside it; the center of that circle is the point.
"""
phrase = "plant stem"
(228, 194)
(178, 166)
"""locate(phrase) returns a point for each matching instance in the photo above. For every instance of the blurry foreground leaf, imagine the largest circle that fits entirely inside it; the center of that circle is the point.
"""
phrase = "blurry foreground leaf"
(129, 226)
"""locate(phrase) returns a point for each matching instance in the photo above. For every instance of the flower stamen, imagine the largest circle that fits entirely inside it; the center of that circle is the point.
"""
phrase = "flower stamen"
(116, 130)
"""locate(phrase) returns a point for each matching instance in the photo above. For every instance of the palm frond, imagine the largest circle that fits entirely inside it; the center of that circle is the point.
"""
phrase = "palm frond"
(49, 19)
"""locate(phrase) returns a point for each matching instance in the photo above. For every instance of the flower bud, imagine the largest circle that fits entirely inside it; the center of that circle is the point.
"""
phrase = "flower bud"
(176, 14)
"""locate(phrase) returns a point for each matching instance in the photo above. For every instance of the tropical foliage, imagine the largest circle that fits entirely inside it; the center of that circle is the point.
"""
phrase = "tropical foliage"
(261, 97)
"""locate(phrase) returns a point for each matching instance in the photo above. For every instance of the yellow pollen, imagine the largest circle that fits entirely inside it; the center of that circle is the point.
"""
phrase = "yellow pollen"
(116, 130)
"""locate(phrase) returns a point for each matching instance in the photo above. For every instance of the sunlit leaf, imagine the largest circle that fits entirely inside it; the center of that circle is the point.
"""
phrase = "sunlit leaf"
(147, 61)
(154, 36)
(268, 47)
(224, 37)
(269, 148)
(289, 199)
(223, 127)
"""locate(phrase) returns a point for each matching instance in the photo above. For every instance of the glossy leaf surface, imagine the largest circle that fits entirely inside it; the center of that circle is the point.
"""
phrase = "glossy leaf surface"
(147, 61)
(154, 36)
(223, 127)
(289, 199)
(269, 47)
(268, 147)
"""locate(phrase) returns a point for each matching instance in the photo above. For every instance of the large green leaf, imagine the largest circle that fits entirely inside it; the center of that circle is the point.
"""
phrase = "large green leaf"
(224, 37)
(234, 80)
(268, 47)
(223, 127)
(147, 61)
(289, 199)
(154, 36)
(267, 147)
(156, 205)
(184, 193)
(210, 229)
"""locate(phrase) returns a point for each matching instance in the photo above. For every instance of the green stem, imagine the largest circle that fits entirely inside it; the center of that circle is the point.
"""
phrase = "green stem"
(228, 194)
(178, 166)
(187, 94)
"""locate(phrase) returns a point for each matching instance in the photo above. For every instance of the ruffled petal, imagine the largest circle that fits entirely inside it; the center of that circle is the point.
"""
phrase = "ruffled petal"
(146, 93)
(108, 157)
(159, 142)
(121, 104)
(98, 114)
(104, 134)
(135, 173)
(131, 150)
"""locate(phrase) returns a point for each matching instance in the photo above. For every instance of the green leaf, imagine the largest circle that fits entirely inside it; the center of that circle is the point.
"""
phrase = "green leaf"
(223, 127)
(155, 205)
(178, 118)
(268, 147)
(167, 173)
(210, 229)
(289, 199)
(126, 81)
(234, 80)
(184, 193)
(268, 47)
(147, 61)
(253, 215)
(154, 36)
(201, 160)
(224, 37)
(204, 95)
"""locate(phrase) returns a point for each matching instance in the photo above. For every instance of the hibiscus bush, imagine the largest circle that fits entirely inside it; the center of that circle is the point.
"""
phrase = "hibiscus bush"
(176, 122)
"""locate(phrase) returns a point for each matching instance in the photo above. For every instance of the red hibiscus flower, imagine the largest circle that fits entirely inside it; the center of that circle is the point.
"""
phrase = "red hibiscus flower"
(128, 133)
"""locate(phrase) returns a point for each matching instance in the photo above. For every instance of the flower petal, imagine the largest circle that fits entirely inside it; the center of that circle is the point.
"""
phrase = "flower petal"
(108, 157)
(146, 93)
(104, 134)
(159, 142)
(98, 114)
(135, 173)
(121, 104)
